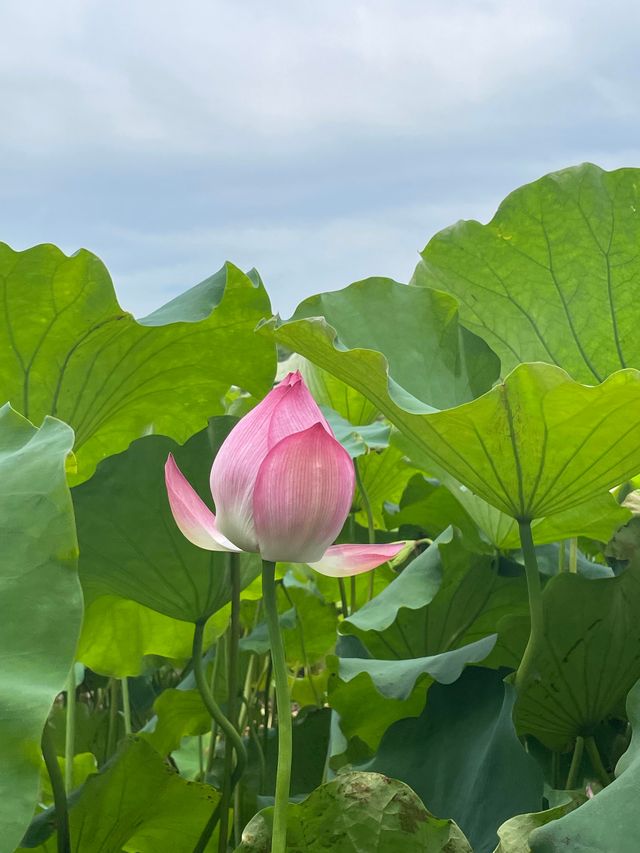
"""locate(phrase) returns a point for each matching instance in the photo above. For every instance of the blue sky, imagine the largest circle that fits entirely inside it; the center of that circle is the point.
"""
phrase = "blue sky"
(320, 142)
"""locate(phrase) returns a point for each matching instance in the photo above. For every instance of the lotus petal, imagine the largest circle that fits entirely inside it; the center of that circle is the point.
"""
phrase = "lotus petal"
(193, 517)
(341, 561)
(302, 496)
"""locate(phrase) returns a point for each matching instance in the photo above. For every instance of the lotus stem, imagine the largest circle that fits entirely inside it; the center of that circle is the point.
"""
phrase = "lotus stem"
(70, 731)
(573, 556)
(534, 590)
(575, 763)
(112, 732)
(126, 705)
(343, 597)
(227, 727)
(285, 732)
(59, 794)
(596, 760)
(232, 710)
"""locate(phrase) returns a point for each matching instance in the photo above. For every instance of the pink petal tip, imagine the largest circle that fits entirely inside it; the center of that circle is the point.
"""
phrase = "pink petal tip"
(341, 561)
(195, 520)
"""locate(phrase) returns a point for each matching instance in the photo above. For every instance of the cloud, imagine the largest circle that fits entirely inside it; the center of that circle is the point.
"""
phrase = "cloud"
(319, 142)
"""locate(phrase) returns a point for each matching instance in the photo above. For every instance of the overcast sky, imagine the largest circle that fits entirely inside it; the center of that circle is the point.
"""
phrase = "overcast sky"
(321, 142)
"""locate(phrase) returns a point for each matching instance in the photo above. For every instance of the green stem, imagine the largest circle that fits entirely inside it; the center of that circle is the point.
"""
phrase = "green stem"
(253, 734)
(573, 556)
(246, 693)
(200, 758)
(354, 594)
(232, 709)
(112, 732)
(534, 590)
(561, 567)
(237, 808)
(575, 763)
(126, 705)
(366, 503)
(59, 795)
(596, 760)
(229, 731)
(285, 733)
(70, 731)
(267, 707)
(343, 598)
(215, 671)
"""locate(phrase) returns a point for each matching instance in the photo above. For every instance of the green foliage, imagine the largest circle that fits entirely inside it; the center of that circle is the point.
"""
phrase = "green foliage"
(137, 804)
(119, 635)
(129, 543)
(549, 278)
(478, 771)
(533, 446)
(358, 440)
(409, 671)
(41, 603)
(538, 443)
(384, 478)
(446, 598)
(514, 833)
(369, 695)
(608, 821)
(344, 332)
(347, 814)
(588, 659)
(333, 394)
(74, 353)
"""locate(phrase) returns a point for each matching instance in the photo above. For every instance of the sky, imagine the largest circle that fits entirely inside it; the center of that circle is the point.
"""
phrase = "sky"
(321, 142)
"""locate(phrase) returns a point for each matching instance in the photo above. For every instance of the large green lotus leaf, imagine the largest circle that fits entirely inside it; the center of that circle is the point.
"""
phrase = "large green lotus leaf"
(551, 277)
(598, 518)
(610, 821)
(332, 393)
(446, 598)
(538, 443)
(358, 813)
(41, 603)
(130, 545)
(430, 356)
(534, 445)
(118, 634)
(433, 505)
(463, 758)
(369, 695)
(587, 660)
(138, 803)
(428, 505)
(71, 351)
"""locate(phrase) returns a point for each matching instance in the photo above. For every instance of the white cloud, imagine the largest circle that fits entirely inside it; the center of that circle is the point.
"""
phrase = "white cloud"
(198, 76)
(322, 142)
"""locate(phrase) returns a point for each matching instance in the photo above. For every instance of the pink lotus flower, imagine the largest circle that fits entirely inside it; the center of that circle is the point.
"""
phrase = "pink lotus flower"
(282, 486)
